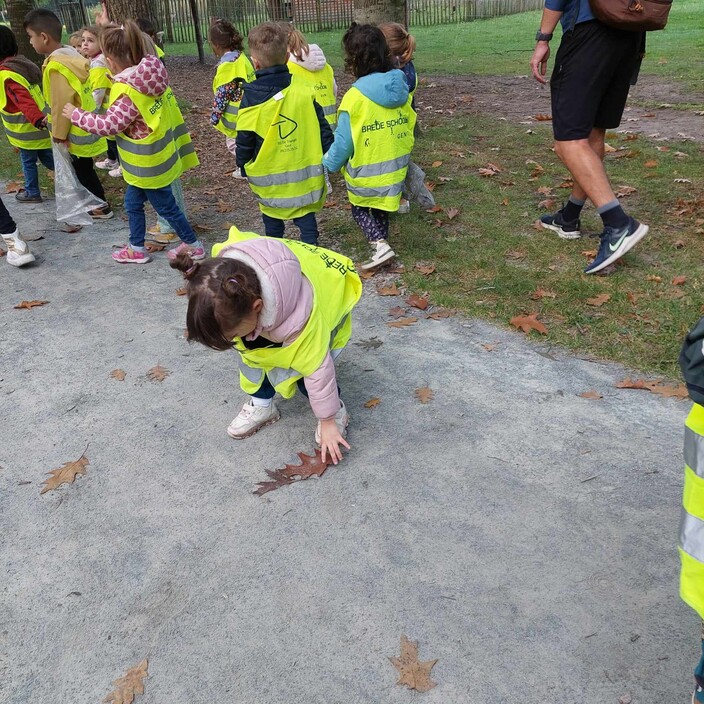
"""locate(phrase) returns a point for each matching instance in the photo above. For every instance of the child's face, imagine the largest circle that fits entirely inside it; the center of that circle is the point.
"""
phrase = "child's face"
(89, 45)
(40, 41)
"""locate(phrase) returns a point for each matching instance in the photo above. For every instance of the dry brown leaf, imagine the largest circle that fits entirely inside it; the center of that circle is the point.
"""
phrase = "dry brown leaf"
(504, 202)
(540, 293)
(181, 291)
(656, 279)
(567, 183)
(624, 191)
(437, 163)
(650, 164)
(452, 213)
(66, 474)
(547, 204)
(311, 466)
(678, 391)
(13, 187)
(629, 383)
(417, 301)
(544, 191)
(489, 170)
(679, 280)
(490, 347)
(515, 254)
(223, 207)
(425, 269)
(537, 225)
(372, 403)
(595, 395)
(152, 247)
(365, 275)
(158, 373)
(118, 374)
(679, 244)
(430, 185)
(590, 253)
(434, 209)
(632, 297)
(388, 290)
(413, 673)
(424, 394)
(397, 312)
(403, 322)
(528, 323)
(599, 300)
(130, 685)
(28, 305)
(542, 118)
(440, 314)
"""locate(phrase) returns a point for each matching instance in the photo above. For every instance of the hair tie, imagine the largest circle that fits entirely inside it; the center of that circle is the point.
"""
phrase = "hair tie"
(191, 269)
(233, 280)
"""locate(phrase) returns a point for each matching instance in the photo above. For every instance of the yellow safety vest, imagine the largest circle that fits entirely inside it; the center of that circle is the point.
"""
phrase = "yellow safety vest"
(336, 290)
(287, 174)
(80, 142)
(160, 158)
(99, 77)
(159, 52)
(241, 68)
(383, 140)
(691, 546)
(19, 131)
(323, 83)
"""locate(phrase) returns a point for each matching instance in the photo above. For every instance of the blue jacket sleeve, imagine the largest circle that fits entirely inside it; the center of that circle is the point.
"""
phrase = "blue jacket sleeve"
(342, 148)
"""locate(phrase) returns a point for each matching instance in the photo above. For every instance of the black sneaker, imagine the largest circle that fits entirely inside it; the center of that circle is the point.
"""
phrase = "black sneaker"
(24, 197)
(564, 229)
(615, 243)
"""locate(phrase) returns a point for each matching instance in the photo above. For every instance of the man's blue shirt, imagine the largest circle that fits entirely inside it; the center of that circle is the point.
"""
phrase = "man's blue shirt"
(568, 8)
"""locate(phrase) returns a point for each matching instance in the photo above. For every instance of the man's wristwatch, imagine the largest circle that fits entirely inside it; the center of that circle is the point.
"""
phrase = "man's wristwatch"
(541, 37)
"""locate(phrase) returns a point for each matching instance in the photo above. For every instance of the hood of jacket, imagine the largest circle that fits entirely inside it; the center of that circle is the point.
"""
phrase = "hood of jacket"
(268, 83)
(314, 60)
(22, 65)
(149, 77)
(388, 89)
(69, 57)
(286, 293)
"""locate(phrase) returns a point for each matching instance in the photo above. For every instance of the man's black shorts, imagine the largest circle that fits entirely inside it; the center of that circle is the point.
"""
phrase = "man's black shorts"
(590, 82)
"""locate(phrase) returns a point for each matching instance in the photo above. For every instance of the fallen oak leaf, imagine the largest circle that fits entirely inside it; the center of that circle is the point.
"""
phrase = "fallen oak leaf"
(599, 300)
(397, 312)
(372, 403)
(679, 280)
(403, 322)
(528, 323)
(388, 290)
(424, 394)
(311, 466)
(679, 391)
(118, 374)
(417, 302)
(413, 673)
(595, 395)
(66, 474)
(129, 685)
(28, 305)
(158, 373)
(425, 269)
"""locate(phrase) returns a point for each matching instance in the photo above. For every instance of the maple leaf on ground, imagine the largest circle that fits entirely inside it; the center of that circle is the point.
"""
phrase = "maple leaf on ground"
(118, 374)
(181, 291)
(656, 387)
(130, 685)
(679, 280)
(13, 187)
(397, 312)
(425, 269)
(66, 474)
(542, 293)
(372, 403)
(489, 170)
(544, 191)
(424, 394)
(388, 290)
(452, 213)
(440, 314)
(158, 373)
(311, 466)
(528, 323)
(403, 322)
(595, 395)
(599, 300)
(413, 673)
(417, 302)
(28, 305)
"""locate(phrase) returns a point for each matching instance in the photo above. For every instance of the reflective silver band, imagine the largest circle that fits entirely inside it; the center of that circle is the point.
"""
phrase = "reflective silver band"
(158, 169)
(329, 110)
(287, 176)
(380, 168)
(295, 202)
(154, 147)
(390, 191)
(694, 451)
(27, 136)
(692, 536)
(256, 376)
(15, 119)
(83, 140)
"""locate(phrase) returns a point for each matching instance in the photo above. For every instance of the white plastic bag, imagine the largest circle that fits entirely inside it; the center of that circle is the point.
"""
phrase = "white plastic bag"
(73, 200)
(415, 188)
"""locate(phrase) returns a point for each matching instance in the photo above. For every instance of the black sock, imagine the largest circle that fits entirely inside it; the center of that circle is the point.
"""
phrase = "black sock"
(613, 215)
(572, 209)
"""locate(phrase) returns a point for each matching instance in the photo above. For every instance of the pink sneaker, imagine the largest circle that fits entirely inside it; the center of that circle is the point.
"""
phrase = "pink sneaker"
(127, 255)
(194, 252)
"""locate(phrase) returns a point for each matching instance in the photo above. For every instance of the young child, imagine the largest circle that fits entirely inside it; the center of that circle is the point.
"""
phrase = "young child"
(286, 308)
(234, 69)
(23, 112)
(147, 26)
(76, 41)
(18, 253)
(65, 80)
(153, 142)
(282, 135)
(100, 83)
(375, 160)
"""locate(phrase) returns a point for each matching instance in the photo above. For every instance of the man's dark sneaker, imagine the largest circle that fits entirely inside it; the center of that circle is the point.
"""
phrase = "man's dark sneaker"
(615, 243)
(24, 197)
(557, 223)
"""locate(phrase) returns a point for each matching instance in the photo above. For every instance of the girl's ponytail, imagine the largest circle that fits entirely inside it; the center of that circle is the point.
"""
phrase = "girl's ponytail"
(224, 35)
(401, 43)
(297, 44)
(123, 44)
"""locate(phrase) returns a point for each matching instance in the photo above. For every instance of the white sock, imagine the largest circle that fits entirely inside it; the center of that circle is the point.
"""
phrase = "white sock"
(260, 401)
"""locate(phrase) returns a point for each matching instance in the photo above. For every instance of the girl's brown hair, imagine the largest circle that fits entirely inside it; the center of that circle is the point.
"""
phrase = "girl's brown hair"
(124, 45)
(221, 292)
(297, 44)
(93, 29)
(366, 50)
(401, 43)
(223, 34)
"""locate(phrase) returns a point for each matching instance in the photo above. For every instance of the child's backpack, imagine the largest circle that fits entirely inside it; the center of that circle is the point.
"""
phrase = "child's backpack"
(632, 15)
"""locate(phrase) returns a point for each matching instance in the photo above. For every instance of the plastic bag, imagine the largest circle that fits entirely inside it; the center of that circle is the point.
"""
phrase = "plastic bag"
(415, 188)
(73, 200)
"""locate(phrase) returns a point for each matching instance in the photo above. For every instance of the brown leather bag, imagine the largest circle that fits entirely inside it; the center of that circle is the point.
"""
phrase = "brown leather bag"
(632, 15)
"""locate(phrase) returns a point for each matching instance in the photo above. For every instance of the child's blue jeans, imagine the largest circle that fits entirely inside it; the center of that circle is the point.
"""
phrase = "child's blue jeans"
(163, 201)
(29, 167)
(177, 190)
(307, 224)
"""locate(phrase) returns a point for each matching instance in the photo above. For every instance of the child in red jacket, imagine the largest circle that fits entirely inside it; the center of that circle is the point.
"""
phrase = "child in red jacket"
(23, 113)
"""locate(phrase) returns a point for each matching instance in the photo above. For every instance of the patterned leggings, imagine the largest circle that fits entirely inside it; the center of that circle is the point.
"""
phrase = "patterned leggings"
(374, 223)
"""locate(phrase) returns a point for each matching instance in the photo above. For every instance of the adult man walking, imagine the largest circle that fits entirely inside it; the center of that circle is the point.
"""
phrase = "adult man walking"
(589, 87)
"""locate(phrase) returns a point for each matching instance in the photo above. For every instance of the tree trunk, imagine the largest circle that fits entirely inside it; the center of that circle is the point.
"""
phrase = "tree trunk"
(196, 25)
(16, 11)
(121, 10)
(377, 11)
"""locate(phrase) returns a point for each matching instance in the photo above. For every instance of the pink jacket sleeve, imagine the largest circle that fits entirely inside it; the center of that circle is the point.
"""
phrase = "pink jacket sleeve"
(119, 116)
(321, 386)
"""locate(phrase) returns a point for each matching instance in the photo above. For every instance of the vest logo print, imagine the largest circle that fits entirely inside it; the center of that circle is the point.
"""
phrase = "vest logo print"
(387, 124)
(157, 106)
(286, 126)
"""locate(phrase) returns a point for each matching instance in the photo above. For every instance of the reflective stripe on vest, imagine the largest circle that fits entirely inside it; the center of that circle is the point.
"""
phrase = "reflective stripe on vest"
(329, 110)
(21, 133)
(230, 112)
(286, 176)
(383, 140)
(691, 547)
(241, 70)
(80, 142)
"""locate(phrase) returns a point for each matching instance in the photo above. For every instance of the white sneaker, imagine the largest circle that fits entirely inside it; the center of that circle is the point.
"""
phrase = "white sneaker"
(251, 419)
(404, 207)
(107, 164)
(116, 172)
(381, 253)
(342, 420)
(237, 173)
(18, 253)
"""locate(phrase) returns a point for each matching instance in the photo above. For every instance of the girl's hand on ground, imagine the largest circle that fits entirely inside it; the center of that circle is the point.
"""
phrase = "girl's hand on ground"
(68, 110)
(330, 441)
